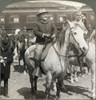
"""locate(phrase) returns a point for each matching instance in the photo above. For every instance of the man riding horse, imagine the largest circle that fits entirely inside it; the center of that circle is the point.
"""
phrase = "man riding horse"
(43, 29)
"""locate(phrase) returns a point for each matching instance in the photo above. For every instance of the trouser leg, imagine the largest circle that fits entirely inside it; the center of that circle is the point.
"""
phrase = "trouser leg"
(0, 85)
(38, 52)
(6, 87)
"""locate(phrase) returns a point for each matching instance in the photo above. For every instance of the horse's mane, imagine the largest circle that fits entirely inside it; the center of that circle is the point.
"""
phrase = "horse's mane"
(61, 38)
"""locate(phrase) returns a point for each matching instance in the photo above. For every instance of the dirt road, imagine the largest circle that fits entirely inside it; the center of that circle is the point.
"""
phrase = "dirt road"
(19, 87)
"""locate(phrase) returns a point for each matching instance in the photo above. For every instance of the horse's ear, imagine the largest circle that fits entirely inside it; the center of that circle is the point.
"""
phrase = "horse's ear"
(69, 22)
(80, 21)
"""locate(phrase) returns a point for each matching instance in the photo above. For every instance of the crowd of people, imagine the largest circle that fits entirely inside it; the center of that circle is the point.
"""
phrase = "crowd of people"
(45, 31)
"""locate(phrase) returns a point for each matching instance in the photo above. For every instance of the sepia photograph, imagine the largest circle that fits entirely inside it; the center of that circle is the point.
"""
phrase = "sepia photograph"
(47, 50)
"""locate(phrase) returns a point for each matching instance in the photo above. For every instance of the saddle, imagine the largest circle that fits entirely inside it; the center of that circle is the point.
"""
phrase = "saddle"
(43, 54)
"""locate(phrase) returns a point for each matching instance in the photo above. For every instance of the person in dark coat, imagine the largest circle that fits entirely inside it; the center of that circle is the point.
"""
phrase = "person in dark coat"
(42, 29)
(12, 40)
(6, 58)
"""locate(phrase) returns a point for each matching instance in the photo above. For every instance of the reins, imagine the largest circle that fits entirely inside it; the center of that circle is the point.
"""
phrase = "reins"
(84, 53)
(58, 52)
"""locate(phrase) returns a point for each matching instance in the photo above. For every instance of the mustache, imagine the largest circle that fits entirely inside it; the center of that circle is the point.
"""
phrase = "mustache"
(45, 17)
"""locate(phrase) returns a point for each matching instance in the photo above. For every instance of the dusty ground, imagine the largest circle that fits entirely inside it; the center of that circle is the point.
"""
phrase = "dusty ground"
(19, 87)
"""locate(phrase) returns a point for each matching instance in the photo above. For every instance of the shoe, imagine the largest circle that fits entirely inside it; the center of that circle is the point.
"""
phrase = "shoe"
(6, 95)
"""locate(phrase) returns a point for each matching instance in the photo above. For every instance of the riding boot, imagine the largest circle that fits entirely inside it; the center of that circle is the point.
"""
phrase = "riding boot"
(63, 86)
(6, 88)
(37, 71)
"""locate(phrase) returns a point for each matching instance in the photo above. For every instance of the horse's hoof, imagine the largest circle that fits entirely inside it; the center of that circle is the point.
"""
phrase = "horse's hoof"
(33, 97)
(57, 98)
(47, 97)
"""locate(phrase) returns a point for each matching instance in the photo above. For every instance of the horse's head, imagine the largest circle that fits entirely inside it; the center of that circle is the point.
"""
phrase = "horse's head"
(77, 35)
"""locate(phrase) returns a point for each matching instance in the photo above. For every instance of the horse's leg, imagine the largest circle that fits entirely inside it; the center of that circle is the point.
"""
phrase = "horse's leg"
(35, 82)
(17, 48)
(89, 70)
(93, 80)
(25, 68)
(80, 62)
(71, 71)
(48, 84)
(81, 71)
(59, 85)
(16, 54)
(19, 59)
(31, 81)
(54, 88)
(19, 56)
(75, 75)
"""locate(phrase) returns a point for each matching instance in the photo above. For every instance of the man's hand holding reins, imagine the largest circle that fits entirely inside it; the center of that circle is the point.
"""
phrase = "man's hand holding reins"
(46, 35)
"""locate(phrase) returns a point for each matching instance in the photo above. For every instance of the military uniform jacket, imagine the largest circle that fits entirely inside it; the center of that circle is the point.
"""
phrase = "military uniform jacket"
(5, 70)
(41, 28)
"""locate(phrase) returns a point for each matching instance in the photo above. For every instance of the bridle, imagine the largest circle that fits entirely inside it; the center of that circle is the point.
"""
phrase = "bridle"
(83, 53)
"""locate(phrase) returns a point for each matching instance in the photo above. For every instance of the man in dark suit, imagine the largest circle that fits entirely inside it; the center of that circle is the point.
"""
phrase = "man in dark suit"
(6, 58)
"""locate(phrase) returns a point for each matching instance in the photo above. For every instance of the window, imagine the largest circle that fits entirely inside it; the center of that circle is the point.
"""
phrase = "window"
(60, 18)
(14, 19)
(31, 18)
(2, 19)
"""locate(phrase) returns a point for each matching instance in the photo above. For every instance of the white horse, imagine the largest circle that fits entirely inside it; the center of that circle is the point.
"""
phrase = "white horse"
(88, 54)
(56, 62)
(89, 58)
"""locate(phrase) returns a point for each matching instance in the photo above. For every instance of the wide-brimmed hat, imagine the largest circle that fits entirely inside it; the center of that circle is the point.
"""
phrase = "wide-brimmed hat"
(41, 11)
